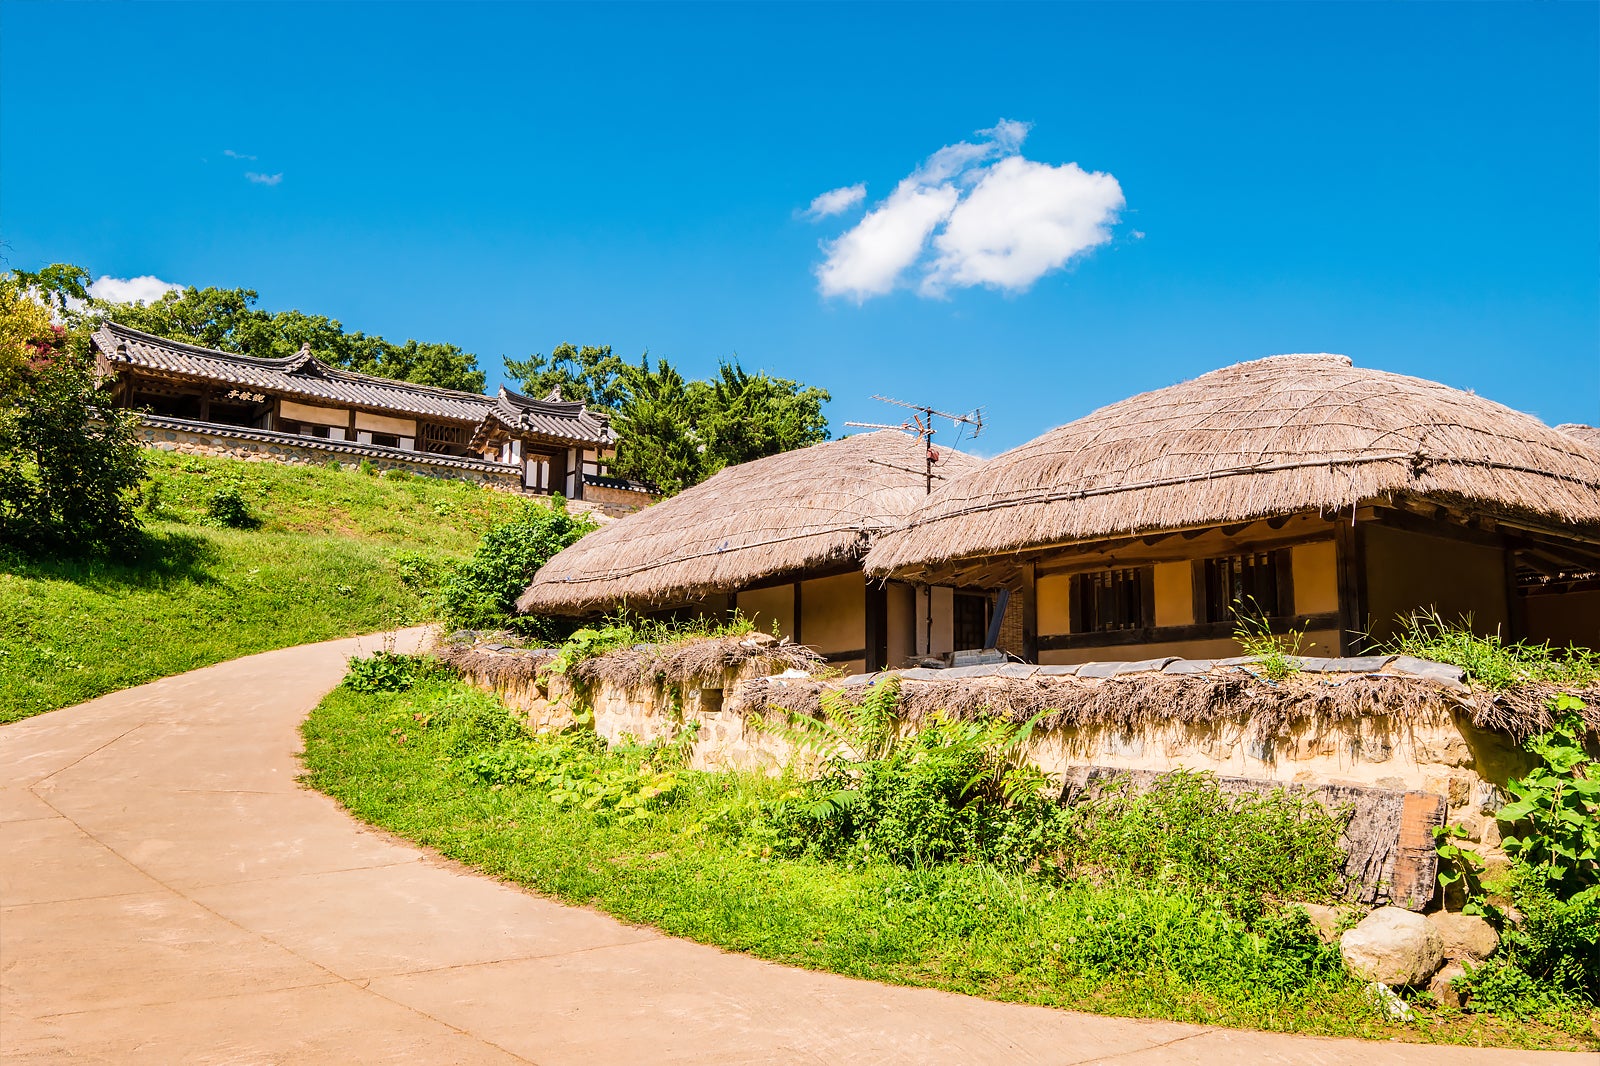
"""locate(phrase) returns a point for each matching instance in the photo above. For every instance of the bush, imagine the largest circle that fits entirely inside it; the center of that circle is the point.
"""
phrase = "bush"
(1489, 661)
(481, 593)
(69, 462)
(1186, 831)
(227, 507)
(387, 671)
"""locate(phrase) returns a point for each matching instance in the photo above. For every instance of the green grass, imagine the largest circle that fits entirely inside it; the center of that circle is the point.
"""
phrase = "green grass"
(330, 557)
(400, 761)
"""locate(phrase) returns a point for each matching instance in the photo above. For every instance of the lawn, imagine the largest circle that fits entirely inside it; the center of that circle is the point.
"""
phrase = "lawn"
(334, 552)
(429, 765)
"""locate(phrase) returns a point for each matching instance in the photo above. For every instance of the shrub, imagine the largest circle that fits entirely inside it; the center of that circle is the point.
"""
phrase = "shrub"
(481, 592)
(367, 468)
(1186, 831)
(69, 461)
(397, 474)
(387, 671)
(948, 790)
(226, 506)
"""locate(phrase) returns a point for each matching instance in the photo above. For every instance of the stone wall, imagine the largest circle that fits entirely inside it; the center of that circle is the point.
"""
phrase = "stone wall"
(614, 501)
(724, 740)
(267, 446)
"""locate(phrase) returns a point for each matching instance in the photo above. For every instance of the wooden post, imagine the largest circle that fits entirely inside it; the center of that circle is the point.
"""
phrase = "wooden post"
(1350, 543)
(795, 629)
(1516, 605)
(877, 610)
(1030, 614)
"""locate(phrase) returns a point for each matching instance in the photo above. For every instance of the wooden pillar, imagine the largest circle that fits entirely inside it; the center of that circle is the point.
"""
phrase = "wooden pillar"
(1516, 605)
(1351, 556)
(877, 626)
(795, 629)
(1030, 614)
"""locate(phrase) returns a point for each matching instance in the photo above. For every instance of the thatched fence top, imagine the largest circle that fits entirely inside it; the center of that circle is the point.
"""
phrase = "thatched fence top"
(1275, 436)
(787, 513)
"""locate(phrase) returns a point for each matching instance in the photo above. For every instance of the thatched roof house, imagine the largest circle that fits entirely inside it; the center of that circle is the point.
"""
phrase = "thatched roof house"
(1587, 434)
(1242, 464)
(780, 538)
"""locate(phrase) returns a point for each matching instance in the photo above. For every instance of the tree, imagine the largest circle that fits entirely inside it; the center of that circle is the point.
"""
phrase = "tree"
(741, 417)
(590, 374)
(656, 439)
(69, 462)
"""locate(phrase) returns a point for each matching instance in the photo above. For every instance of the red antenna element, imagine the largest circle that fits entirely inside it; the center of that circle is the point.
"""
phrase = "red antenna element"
(921, 426)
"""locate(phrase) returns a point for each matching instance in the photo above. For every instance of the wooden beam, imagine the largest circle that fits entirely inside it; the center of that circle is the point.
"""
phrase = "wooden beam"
(1174, 634)
(796, 628)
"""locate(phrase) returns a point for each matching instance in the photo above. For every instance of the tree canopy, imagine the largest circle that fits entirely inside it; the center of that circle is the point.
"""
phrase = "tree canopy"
(228, 320)
(672, 432)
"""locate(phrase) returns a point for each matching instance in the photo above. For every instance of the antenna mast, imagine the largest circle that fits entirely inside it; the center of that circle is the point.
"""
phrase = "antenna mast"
(921, 426)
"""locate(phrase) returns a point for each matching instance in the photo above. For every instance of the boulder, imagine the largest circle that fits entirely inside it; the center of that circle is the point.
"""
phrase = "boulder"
(1465, 936)
(1440, 987)
(1392, 945)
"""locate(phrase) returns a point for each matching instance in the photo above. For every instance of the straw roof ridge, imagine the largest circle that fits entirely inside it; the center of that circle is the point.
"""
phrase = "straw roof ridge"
(1273, 436)
(1588, 434)
(798, 510)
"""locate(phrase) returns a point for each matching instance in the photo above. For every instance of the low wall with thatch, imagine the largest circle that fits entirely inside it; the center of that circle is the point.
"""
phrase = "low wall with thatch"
(1379, 722)
(647, 692)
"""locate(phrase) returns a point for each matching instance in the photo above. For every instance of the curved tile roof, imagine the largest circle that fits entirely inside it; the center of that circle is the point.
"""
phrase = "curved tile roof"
(304, 376)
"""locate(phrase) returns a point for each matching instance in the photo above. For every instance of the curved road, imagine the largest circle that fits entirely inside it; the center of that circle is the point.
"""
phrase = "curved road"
(169, 894)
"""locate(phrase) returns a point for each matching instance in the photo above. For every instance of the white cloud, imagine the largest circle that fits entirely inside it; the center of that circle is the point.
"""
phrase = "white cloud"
(231, 154)
(263, 179)
(1021, 221)
(836, 201)
(141, 290)
(1007, 221)
(869, 259)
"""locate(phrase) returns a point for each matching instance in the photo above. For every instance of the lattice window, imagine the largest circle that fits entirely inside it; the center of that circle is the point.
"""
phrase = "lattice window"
(1248, 583)
(1108, 601)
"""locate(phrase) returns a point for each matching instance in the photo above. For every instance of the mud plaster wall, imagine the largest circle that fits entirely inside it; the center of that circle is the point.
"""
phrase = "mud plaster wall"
(1447, 757)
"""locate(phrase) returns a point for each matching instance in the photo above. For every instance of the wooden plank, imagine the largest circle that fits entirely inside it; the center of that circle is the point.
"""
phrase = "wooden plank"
(796, 629)
(1283, 562)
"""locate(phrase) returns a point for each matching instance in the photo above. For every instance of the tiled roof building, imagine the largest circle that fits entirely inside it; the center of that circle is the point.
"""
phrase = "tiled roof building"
(553, 445)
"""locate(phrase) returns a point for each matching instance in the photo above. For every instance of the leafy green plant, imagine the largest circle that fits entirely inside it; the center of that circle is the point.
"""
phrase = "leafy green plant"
(1556, 813)
(481, 593)
(367, 468)
(1277, 655)
(1489, 661)
(1245, 849)
(226, 506)
(387, 671)
(948, 789)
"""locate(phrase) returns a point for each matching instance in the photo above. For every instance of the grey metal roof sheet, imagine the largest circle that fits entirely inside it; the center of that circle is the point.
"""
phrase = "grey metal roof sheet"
(299, 376)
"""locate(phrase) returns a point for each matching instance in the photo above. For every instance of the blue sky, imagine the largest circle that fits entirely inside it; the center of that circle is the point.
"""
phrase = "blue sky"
(1415, 186)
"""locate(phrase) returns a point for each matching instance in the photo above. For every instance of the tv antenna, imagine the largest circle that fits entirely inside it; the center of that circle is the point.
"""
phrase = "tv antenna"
(921, 425)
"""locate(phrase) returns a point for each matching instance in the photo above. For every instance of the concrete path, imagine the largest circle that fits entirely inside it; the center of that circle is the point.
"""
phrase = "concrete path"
(169, 894)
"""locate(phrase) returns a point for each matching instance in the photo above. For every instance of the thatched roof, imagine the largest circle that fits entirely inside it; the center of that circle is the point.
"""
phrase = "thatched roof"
(784, 514)
(1587, 434)
(1275, 436)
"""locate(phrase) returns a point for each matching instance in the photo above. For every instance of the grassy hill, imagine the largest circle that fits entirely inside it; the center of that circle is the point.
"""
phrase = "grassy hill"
(333, 552)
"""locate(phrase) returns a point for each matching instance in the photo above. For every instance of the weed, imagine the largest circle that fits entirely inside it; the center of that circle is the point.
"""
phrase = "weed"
(1489, 661)
(386, 671)
(227, 507)
(1277, 655)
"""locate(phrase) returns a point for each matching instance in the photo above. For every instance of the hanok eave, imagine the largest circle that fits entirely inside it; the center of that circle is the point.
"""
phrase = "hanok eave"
(557, 446)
